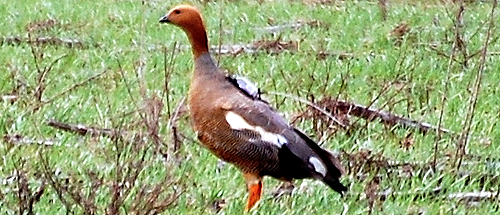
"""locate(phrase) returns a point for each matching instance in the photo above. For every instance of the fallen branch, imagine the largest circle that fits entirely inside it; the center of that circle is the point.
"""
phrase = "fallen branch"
(437, 192)
(340, 55)
(253, 48)
(18, 139)
(290, 26)
(345, 107)
(475, 196)
(75, 43)
(55, 41)
(270, 46)
(332, 108)
(86, 130)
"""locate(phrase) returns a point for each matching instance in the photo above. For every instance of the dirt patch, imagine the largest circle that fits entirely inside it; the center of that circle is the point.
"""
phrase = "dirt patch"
(43, 25)
(275, 46)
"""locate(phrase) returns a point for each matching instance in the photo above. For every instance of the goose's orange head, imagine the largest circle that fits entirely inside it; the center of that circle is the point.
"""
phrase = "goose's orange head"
(186, 17)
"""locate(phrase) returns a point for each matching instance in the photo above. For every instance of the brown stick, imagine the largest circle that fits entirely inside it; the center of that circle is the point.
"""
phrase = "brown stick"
(85, 130)
(71, 43)
(451, 59)
(372, 113)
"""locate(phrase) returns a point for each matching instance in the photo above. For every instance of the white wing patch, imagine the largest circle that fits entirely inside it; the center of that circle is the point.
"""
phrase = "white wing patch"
(237, 122)
(319, 167)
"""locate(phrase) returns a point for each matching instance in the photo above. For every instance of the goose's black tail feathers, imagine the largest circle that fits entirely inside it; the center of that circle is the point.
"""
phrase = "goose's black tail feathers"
(334, 168)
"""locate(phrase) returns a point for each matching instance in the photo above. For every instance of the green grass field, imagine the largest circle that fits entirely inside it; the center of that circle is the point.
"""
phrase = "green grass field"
(109, 64)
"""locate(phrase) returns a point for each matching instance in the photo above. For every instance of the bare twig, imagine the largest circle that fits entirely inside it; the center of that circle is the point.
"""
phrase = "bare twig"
(464, 136)
(380, 93)
(70, 89)
(129, 90)
(142, 57)
(86, 130)
(316, 107)
(446, 82)
(220, 33)
(172, 125)
(269, 46)
(54, 183)
(168, 69)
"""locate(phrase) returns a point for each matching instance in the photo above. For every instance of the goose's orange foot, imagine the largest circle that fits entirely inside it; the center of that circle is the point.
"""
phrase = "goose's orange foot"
(254, 185)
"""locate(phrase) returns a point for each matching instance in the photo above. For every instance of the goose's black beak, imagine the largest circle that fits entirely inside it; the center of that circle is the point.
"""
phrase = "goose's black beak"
(164, 19)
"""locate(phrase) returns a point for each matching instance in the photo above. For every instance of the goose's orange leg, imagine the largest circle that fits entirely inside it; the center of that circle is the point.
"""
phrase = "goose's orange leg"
(254, 186)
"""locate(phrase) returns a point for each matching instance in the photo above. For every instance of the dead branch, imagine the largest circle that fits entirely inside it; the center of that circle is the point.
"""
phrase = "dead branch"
(275, 46)
(18, 139)
(130, 161)
(54, 41)
(149, 200)
(86, 130)
(269, 46)
(289, 26)
(340, 55)
(385, 117)
(341, 107)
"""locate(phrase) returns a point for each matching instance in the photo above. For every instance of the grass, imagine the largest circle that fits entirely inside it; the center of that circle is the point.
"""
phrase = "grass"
(98, 84)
